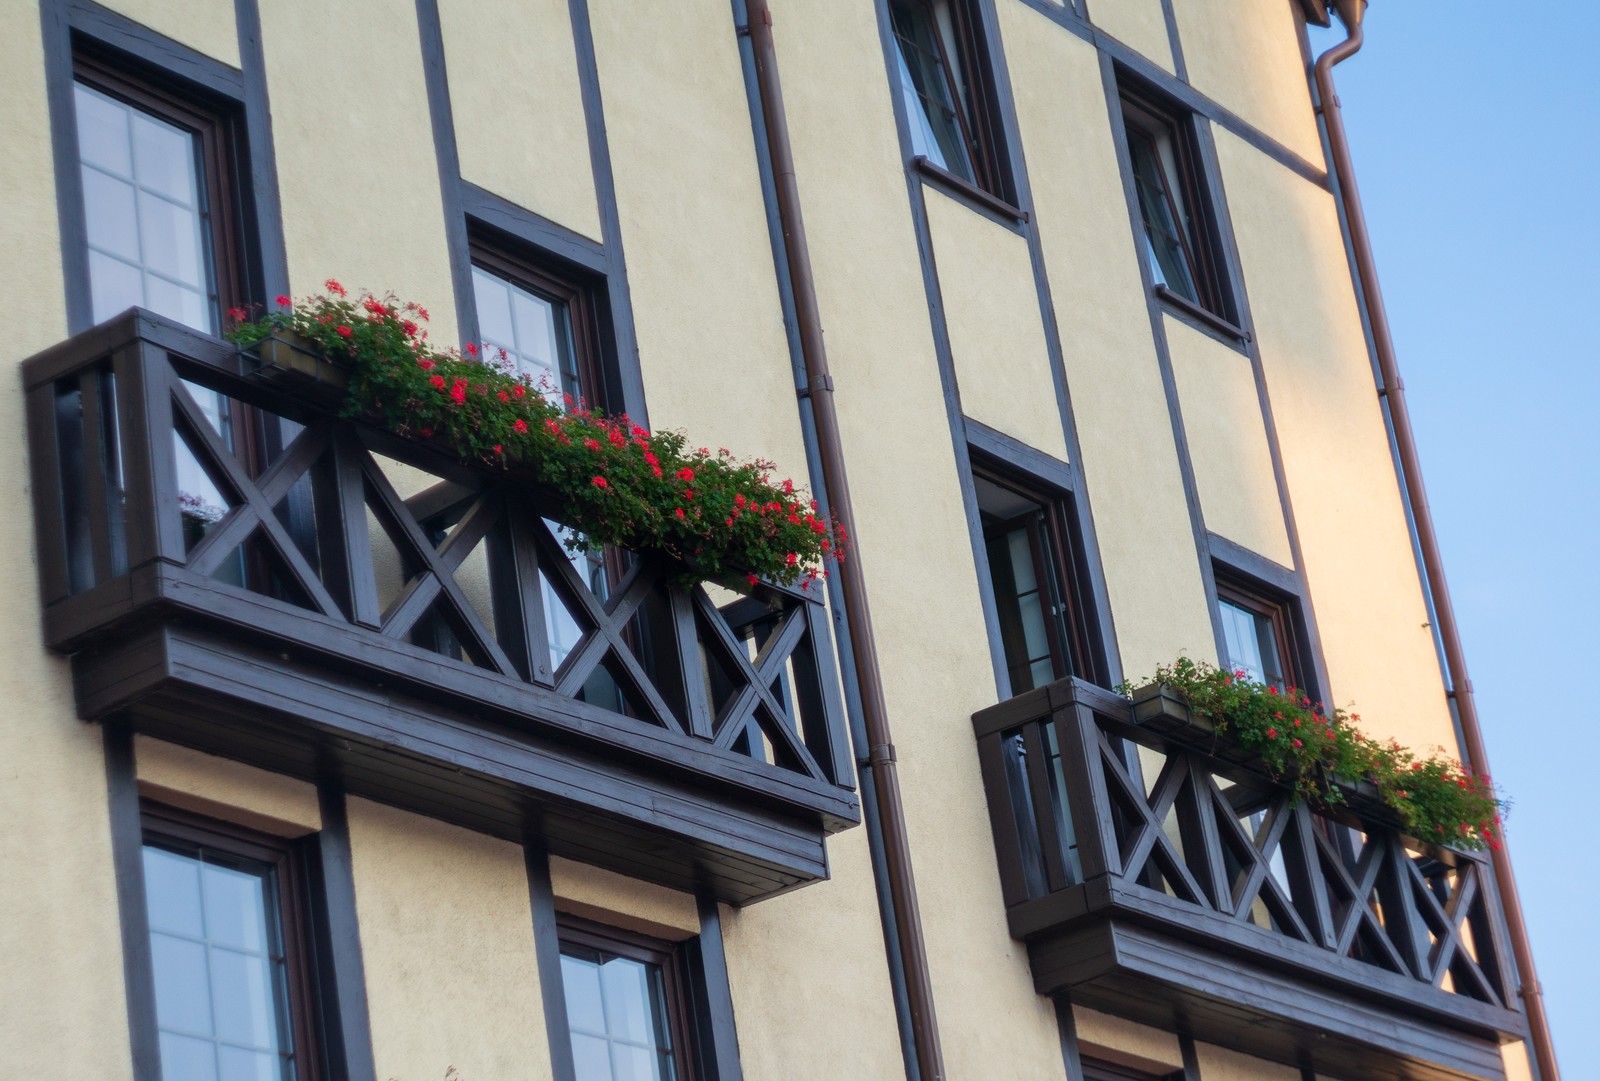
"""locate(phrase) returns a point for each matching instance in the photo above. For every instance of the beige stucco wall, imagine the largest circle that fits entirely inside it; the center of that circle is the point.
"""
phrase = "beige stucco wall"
(913, 543)
(1125, 1043)
(598, 894)
(1130, 461)
(1245, 54)
(356, 175)
(705, 298)
(447, 948)
(60, 939)
(206, 26)
(991, 313)
(1220, 1064)
(1353, 536)
(226, 789)
(517, 107)
(1227, 439)
(1139, 24)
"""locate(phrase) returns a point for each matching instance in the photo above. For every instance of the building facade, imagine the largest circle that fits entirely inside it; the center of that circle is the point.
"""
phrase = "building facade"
(326, 760)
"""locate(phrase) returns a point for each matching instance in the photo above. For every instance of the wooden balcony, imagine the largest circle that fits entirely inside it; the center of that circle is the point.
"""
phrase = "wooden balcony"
(234, 567)
(1157, 874)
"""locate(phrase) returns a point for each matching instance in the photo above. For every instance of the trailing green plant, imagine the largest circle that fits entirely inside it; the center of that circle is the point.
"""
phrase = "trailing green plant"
(1313, 748)
(617, 483)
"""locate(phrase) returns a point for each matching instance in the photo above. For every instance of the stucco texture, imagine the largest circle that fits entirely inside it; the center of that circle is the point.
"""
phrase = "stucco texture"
(447, 948)
(518, 108)
(1353, 536)
(996, 331)
(1139, 24)
(357, 177)
(1227, 437)
(60, 939)
(206, 26)
(226, 789)
(1130, 460)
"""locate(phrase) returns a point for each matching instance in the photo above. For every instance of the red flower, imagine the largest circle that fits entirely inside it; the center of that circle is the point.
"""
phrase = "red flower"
(788, 486)
(752, 579)
(438, 382)
(498, 449)
(519, 426)
(424, 313)
(1272, 691)
(237, 314)
(409, 327)
(791, 559)
(686, 474)
(503, 396)
(334, 287)
(1296, 743)
(1272, 733)
(599, 482)
(517, 391)
(471, 349)
(425, 364)
(283, 301)
(344, 332)
(679, 513)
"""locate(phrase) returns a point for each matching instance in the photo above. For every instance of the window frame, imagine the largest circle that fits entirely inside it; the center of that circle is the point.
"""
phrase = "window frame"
(977, 114)
(541, 276)
(1282, 613)
(218, 125)
(177, 830)
(676, 981)
(1083, 650)
(1152, 115)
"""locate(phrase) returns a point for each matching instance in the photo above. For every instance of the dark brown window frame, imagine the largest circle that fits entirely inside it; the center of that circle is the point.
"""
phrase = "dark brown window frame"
(186, 832)
(675, 978)
(1099, 1070)
(1281, 612)
(219, 127)
(515, 263)
(1082, 650)
(982, 130)
(1149, 113)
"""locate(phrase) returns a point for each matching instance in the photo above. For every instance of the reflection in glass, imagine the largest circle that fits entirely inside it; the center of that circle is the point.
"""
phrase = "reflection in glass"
(617, 1016)
(219, 969)
(932, 83)
(1252, 645)
(534, 332)
(1168, 229)
(143, 213)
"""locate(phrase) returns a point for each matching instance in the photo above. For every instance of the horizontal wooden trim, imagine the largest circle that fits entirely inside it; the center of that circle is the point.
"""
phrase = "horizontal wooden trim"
(965, 190)
(1190, 312)
(1017, 455)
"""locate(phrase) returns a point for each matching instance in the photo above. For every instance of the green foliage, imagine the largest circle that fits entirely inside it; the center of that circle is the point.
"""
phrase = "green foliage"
(617, 483)
(1303, 743)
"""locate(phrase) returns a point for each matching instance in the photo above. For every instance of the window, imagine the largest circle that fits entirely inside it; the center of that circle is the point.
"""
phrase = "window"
(1258, 633)
(1038, 593)
(1179, 228)
(947, 91)
(627, 1006)
(227, 944)
(543, 320)
(158, 174)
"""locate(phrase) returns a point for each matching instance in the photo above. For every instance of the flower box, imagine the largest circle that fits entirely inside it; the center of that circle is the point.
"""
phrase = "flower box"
(291, 360)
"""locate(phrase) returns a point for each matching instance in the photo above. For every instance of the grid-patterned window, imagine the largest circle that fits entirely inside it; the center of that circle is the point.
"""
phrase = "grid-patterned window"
(1258, 632)
(625, 1005)
(945, 85)
(157, 175)
(543, 320)
(226, 953)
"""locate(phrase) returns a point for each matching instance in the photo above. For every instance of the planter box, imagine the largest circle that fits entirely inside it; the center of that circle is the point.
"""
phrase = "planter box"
(289, 360)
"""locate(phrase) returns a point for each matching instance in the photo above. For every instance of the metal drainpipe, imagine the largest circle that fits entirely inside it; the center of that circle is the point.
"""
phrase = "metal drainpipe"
(1392, 389)
(858, 615)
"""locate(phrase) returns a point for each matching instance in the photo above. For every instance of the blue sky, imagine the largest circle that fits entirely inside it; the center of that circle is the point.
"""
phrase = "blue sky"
(1477, 148)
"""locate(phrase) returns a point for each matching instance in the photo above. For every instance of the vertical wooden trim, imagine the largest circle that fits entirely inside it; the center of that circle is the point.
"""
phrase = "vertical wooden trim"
(55, 30)
(620, 300)
(267, 274)
(547, 954)
(1171, 17)
(1067, 1028)
(348, 1029)
(127, 860)
(1191, 1060)
(431, 37)
(1108, 75)
(719, 1053)
(50, 531)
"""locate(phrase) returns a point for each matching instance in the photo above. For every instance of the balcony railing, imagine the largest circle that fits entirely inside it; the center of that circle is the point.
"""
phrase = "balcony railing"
(1158, 874)
(234, 566)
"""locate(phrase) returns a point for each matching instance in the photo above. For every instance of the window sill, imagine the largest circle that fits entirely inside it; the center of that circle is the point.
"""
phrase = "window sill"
(1191, 312)
(965, 190)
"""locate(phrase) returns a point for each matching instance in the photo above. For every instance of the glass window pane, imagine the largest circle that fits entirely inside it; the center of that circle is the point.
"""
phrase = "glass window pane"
(241, 996)
(186, 305)
(582, 982)
(102, 131)
(627, 998)
(108, 205)
(185, 1058)
(616, 1014)
(114, 286)
(591, 1057)
(235, 908)
(171, 239)
(163, 158)
(183, 984)
(239, 1064)
(494, 307)
(172, 893)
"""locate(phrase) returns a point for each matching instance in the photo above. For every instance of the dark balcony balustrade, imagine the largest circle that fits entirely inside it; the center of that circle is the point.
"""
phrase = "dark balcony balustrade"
(233, 566)
(1157, 873)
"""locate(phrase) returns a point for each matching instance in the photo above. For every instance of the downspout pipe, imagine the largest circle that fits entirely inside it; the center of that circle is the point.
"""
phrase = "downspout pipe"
(1392, 389)
(852, 583)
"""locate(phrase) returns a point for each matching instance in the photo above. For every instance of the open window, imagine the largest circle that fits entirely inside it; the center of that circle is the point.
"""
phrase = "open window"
(543, 317)
(1260, 631)
(1181, 242)
(1033, 563)
(948, 89)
